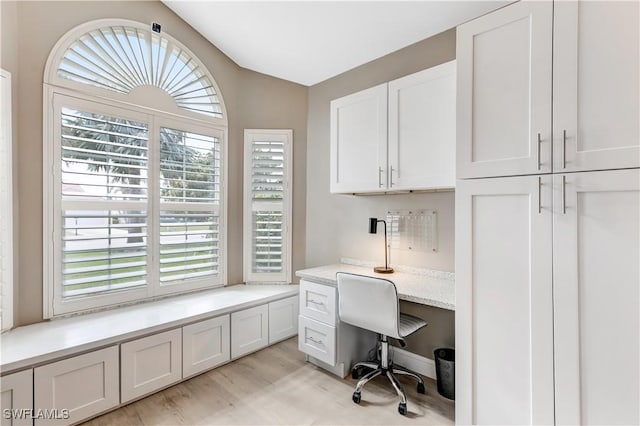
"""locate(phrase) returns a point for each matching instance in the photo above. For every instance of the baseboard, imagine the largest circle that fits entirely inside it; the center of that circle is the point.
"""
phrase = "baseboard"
(415, 362)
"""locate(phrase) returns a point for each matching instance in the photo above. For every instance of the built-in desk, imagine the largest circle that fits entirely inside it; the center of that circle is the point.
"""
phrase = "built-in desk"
(336, 346)
(433, 288)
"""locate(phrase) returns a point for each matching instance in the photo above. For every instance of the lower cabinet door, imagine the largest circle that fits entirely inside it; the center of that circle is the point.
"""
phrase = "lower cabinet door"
(504, 301)
(150, 363)
(249, 330)
(596, 230)
(205, 345)
(283, 319)
(77, 388)
(317, 339)
(17, 397)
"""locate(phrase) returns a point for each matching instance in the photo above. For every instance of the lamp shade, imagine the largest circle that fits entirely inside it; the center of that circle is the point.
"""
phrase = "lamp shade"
(373, 225)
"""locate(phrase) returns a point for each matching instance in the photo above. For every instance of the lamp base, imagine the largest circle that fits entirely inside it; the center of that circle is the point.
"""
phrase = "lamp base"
(383, 270)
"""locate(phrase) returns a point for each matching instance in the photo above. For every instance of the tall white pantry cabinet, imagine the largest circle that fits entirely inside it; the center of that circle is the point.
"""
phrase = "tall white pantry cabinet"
(548, 215)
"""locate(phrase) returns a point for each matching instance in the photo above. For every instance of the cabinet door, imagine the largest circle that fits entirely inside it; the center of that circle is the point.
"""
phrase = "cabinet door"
(422, 129)
(150, 364)
(597, 297)
(77, 388)
(504, 326)
(283, 319)
(17, 396)
(596, 88)
(504, 92)
(249, 330)
(359, 141)
(205, 345)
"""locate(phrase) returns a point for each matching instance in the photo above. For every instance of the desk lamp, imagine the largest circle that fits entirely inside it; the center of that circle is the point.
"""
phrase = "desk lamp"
(373, 229)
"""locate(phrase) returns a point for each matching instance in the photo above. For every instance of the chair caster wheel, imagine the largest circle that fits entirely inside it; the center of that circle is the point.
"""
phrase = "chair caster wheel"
(356, 397)
(402, 409)
(421, 388)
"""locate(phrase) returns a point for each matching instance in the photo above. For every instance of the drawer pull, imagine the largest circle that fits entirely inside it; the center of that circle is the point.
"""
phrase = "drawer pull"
(315, 302)
(318, 342)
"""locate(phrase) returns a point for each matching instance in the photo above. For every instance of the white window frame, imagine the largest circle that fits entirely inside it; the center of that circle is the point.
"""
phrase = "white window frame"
(286, 136)
(53, 302)
(156, 109)
(6, 200)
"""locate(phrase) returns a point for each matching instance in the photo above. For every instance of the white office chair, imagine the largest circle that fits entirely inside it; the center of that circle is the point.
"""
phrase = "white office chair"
(372, 304)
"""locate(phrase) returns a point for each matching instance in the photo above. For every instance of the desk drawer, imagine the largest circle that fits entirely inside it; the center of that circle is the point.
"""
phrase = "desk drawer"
(317, 339)
(318, 302)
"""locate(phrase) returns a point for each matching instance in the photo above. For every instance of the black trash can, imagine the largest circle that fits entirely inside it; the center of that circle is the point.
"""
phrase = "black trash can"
(445, 359)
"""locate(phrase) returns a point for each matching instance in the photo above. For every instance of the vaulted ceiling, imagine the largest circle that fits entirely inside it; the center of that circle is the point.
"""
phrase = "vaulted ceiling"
(310, 41)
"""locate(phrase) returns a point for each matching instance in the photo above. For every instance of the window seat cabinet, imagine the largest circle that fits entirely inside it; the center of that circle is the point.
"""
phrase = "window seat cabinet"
(16, 394)
(72, 384)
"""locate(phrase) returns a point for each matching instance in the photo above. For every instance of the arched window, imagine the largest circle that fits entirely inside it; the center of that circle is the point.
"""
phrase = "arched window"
(134, 176)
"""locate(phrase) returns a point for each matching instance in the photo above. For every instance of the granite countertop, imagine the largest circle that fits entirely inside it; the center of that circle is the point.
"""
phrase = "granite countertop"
(424, 286)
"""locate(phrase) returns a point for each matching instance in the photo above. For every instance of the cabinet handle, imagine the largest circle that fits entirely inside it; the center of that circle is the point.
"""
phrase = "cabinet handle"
(391, 176)
(539, 140)
(317, 342)
(380, 176)
(564, 149)
(315, 302)
(539, 194)
(564, 195)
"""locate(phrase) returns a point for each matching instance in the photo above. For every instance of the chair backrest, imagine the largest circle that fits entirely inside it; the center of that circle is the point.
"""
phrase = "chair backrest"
(369, 303)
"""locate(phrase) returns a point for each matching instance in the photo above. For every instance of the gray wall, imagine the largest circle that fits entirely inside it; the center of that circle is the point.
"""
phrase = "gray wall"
(252, 100)
(337, 224)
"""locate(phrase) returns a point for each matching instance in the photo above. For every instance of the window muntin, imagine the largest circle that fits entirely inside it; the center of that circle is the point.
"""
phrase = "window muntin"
(268, 204)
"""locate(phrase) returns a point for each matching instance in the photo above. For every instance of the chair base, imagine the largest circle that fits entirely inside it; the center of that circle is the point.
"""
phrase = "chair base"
(384, 367)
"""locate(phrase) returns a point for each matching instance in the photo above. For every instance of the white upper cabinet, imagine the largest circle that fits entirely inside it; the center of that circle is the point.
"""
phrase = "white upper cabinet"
(504, 89)
(422, 123)
(359, 141)
(504, 92)
(417, 149)
(596, 112)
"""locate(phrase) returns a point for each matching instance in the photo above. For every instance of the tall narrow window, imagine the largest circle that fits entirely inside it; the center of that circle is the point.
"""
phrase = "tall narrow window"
(267, 205)
(6, 205)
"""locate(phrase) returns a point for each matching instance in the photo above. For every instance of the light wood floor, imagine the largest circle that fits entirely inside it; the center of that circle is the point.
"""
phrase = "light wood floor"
(276, 386)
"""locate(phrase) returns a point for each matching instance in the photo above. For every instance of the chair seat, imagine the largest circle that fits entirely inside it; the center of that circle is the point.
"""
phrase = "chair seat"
(409, 324)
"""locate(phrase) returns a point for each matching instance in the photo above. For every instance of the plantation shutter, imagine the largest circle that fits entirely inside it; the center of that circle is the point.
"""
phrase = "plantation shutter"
(267, 192)
(121, 58)
(189, 206)
(103, 202)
